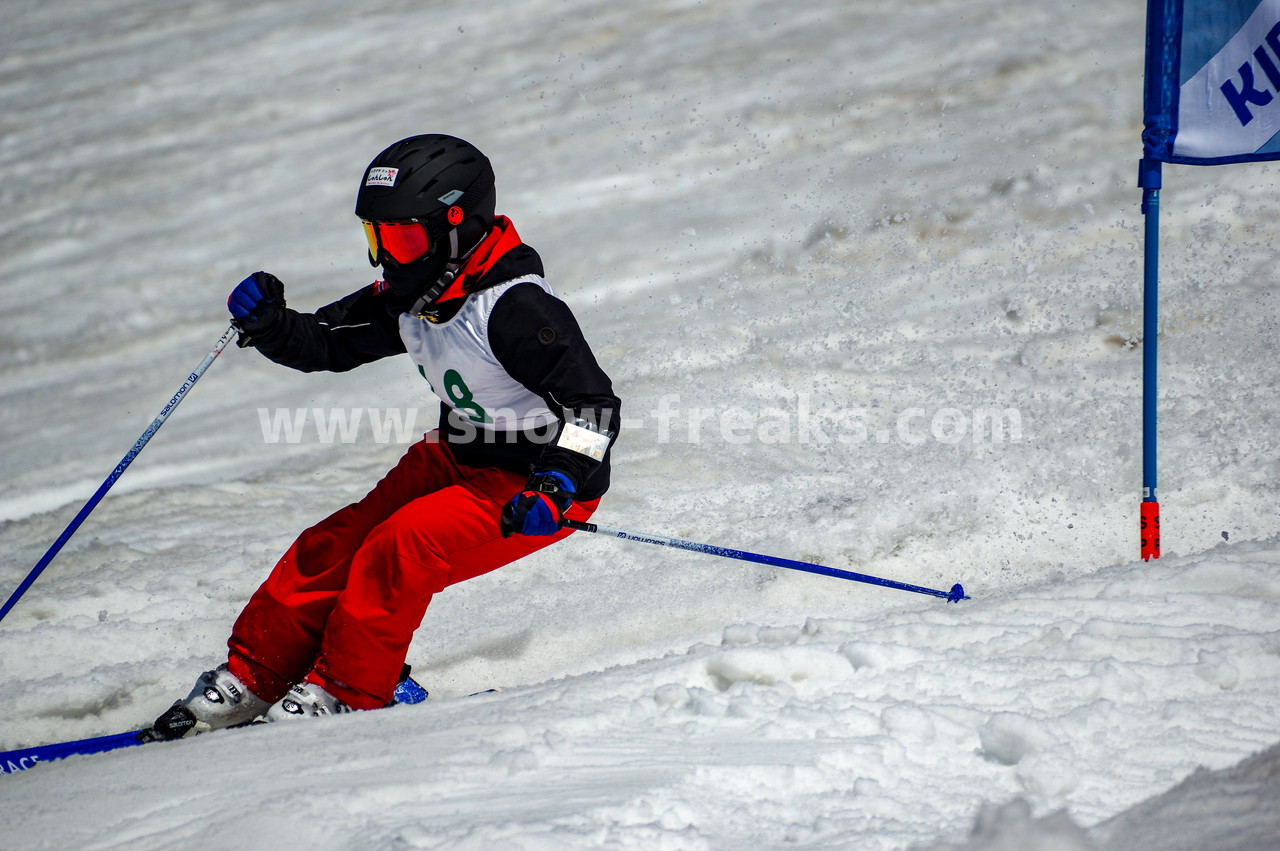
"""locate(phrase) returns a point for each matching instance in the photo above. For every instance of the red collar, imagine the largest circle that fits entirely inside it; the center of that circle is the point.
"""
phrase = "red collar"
(502, 238)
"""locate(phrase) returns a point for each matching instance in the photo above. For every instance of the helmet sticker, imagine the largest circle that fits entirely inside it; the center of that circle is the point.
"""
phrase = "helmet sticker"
(381, 176)
(450, 196)
(454, 215)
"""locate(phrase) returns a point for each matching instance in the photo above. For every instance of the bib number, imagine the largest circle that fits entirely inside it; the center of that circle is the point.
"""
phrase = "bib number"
(462, 397)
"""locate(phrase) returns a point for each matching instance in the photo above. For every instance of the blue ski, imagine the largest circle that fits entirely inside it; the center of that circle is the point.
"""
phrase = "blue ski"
(11, 762)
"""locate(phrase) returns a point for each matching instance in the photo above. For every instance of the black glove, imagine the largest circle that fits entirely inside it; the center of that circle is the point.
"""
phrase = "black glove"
(256, 303)
(538, 509)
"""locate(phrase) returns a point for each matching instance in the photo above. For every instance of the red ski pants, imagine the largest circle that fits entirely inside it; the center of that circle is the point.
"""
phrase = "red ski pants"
(340, 608)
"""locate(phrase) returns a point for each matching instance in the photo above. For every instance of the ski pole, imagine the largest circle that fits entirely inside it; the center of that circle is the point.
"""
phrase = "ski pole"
(119, 470)
(954, 595)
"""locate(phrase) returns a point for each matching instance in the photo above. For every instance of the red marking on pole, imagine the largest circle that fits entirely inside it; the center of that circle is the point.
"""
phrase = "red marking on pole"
(1150, 530)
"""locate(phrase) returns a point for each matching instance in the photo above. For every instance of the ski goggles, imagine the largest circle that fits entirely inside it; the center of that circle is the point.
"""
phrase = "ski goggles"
(404, 242)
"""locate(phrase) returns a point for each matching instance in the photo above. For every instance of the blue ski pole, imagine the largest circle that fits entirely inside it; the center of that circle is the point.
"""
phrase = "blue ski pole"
(118, 471)
(954, 595)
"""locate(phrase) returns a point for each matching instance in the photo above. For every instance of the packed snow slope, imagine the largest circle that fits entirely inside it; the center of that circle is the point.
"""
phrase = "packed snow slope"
(867, 277)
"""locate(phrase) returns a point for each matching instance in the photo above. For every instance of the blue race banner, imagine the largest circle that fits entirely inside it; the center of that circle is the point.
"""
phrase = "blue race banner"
(1212, 91)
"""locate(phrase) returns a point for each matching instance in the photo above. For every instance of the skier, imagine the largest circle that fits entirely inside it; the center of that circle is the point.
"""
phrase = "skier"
(527, 418)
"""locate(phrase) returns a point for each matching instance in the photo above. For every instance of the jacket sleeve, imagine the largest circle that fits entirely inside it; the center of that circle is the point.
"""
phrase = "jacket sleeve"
(354, 330)
(537, 340)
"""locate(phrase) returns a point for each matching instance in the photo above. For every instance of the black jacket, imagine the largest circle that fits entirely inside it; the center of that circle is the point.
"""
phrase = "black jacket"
(534, 335)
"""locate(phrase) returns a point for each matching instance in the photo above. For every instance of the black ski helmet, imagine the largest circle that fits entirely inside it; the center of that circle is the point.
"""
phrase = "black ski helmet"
(442, 181)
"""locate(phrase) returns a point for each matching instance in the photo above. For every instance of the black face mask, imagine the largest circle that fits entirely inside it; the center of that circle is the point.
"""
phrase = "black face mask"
(410, 280)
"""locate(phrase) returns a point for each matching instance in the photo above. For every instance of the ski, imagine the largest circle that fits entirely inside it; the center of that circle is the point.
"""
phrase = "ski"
(23, 759)
(11, 762)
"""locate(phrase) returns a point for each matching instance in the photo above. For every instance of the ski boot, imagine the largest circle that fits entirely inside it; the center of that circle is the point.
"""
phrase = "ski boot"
(306, 700)
(218, 700)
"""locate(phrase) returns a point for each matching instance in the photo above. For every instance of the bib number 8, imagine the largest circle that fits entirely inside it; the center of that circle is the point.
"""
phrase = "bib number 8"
(462, 398)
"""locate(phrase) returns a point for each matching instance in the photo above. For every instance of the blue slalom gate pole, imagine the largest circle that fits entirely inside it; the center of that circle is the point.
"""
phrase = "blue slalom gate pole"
(1149, 180)
(118, 471)
(954, 595)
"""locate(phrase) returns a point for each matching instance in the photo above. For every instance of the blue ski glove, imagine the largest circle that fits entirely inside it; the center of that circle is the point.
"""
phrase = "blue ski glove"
(538, 509)
(256, 303)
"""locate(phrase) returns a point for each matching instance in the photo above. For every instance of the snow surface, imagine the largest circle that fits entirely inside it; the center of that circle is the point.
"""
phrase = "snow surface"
(827, 237)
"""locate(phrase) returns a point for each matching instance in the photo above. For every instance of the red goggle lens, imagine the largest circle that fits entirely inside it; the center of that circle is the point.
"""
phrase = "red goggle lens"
(404, 241)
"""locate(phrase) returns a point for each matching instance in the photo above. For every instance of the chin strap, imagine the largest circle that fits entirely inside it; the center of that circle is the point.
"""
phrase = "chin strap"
(422, 308)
